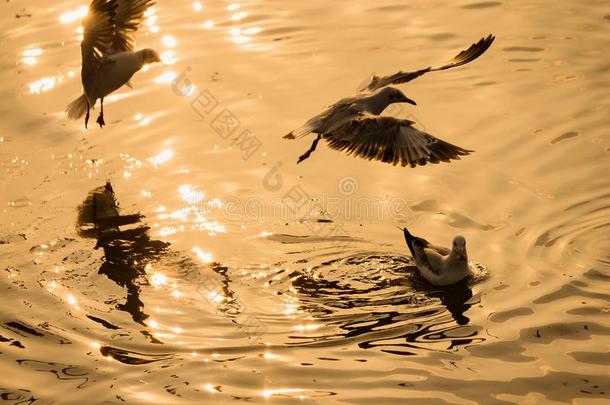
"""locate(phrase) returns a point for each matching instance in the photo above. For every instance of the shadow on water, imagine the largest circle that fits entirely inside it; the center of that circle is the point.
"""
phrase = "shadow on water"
(377, 301)
(457, 300)
(381, 302)
(127, 252)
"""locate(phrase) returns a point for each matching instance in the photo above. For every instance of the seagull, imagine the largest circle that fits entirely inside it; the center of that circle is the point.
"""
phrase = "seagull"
(439, 265)
(109, 60)
(353, 124)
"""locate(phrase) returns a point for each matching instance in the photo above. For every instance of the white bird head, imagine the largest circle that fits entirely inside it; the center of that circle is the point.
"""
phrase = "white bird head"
(150, 56)
(392, 95)
(459, 247)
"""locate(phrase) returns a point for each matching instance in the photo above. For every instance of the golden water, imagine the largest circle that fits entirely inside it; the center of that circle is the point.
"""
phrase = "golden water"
(262, 280)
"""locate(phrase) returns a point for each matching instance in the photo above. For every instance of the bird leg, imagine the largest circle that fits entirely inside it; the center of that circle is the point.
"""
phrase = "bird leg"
(100, 119)
(87, 116)
(311, 149)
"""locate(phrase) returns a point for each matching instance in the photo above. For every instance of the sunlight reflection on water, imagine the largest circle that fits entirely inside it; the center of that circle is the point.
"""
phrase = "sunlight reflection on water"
(195, 273)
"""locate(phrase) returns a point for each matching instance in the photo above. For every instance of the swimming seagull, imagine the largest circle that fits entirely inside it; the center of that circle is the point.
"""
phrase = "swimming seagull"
(353, 124)
(109, 60)
(439, 265)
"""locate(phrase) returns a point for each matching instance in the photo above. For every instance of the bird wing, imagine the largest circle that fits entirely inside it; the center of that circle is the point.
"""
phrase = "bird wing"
(468, 55)
(441, 250)
(435, 261)
(129, 15)
(98, 34)
(391, 140)
(414, 242)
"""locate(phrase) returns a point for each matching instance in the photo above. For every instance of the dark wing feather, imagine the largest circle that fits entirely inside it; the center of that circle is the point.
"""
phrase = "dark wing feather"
(397, 78)
(414, 241)
(98, 33)
(391, 140)
(129, 16)
(417, 248)
(468, 55)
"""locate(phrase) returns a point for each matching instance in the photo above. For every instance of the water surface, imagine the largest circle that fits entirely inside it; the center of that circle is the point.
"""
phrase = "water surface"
(214, 268)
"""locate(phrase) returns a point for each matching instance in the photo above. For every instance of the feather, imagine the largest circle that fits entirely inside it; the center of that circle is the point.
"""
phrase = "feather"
(391, 140)
(77, 108)
(466, 56)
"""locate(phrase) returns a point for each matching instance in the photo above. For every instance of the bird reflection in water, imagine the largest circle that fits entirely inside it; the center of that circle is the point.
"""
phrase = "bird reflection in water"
(225, 299)
(457, 298)
(127, 252)
(402, 315)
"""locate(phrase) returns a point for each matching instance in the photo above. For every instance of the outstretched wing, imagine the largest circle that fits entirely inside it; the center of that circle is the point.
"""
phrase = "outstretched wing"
(98, 34)
(468, 55)
(391, 140)
(129, 15)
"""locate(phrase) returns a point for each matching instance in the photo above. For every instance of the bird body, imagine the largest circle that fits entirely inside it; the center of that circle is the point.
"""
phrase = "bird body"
(114, 72)
(439, 265)
(347, 108)
(109, 60)
(353, 124)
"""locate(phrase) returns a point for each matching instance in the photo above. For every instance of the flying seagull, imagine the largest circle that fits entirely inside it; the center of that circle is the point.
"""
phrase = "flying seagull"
(353, 124)
(109, 60)
(439, 265)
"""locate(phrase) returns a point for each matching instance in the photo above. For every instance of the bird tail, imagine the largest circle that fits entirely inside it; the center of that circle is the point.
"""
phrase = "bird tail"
(299, 132)
(409, 239)
(304, 129)
(77, 108)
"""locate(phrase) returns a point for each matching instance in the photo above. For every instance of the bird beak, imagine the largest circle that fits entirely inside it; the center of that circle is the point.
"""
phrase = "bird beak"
(408, 100)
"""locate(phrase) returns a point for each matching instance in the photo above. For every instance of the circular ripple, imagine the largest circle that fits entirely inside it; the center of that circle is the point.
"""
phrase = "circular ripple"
(382, 302)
